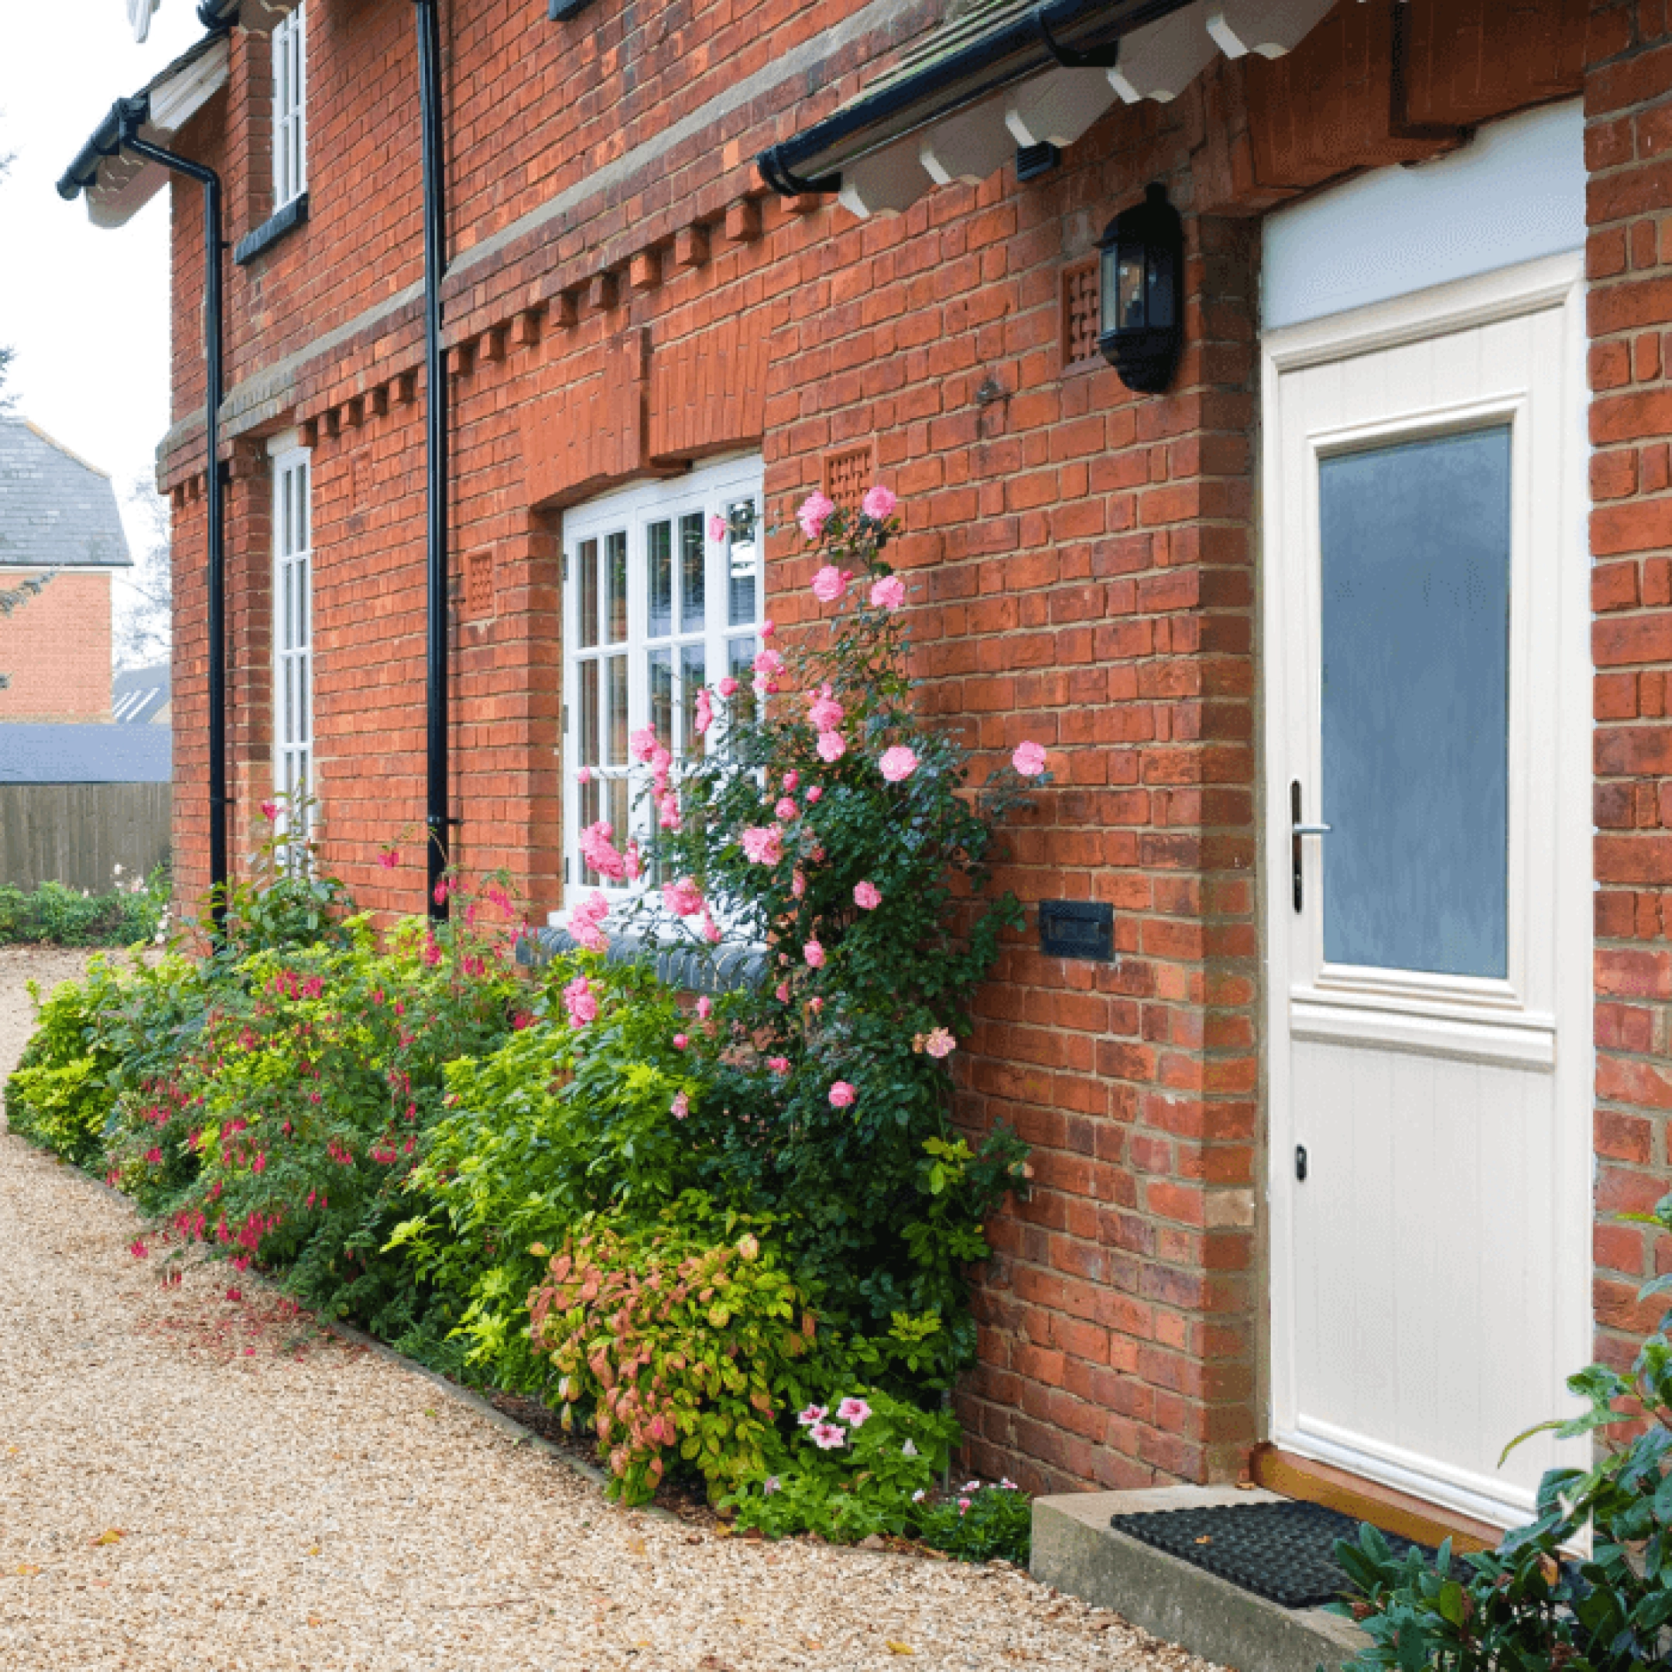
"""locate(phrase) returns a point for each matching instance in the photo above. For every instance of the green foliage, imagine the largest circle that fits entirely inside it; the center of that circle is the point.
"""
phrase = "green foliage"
(284, 899)
(60, 1095)
(981, 1523)
(53, 915)
(683, 1340)
(1526, 1607)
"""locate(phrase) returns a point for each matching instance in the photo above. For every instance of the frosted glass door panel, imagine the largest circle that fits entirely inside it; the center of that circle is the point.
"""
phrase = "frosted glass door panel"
(1415, 592)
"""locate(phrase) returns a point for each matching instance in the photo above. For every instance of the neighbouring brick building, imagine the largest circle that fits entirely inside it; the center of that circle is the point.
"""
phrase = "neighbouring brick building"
(60, 539)
(1315, 1153)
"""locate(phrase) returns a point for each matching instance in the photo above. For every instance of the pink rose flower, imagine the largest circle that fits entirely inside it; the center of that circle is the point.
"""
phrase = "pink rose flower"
(786, 811)
(716, 527)
(828, 584)
(599, 855)
(782, 993)
(889, 593)
(842, 1095)
(826, 713)
(586, 922)
(853, 1410)
(792, 779)
(1029, 759)
(878, 503)
(763, 845)
(681, 1106)
(711, 931)
(704, 717)
(778, 1065)
(940, 1043)
(768, 664)
(727, 687)
(898, 763)
(682, 898)
(866, 896)
(269, 810)
(667, 812)
(831, 746)
(705, 1008)
(798, 884)
(768, 628)
(632, 862)
(584, 776)
(814, 954)
(680, 1041)
(581, 1002)
(815, 512)
(814, 794)
(642, 744)
(816, 1004)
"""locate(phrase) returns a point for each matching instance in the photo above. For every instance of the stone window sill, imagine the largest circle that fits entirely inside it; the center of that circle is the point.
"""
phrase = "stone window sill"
(271, 231)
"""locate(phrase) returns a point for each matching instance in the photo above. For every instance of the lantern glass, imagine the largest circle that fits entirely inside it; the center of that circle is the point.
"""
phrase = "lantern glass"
(1131, 298)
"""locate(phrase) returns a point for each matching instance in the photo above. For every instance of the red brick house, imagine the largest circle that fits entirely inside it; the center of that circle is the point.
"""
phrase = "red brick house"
(60, 541)
(1329, 1155)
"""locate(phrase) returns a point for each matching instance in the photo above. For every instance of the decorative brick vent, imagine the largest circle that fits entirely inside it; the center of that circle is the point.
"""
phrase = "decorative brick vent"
(1079, 315)
(848, 472)
(478, 585)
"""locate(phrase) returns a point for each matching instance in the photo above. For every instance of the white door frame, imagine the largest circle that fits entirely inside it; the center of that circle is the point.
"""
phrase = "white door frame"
(1488, 1021)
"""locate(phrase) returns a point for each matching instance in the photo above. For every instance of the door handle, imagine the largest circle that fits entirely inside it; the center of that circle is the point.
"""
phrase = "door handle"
(1297, 829)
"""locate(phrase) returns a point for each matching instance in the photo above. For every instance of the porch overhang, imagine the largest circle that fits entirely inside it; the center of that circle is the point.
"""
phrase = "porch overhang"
(1001, 75)
(261, 17)
(118, 184)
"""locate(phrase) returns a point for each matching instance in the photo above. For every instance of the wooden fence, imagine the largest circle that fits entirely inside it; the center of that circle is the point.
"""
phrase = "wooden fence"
(77, 834)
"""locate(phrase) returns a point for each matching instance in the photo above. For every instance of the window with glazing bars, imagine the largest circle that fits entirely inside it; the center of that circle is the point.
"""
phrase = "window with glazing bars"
(293, 773)
(664, 595)
(290, 109)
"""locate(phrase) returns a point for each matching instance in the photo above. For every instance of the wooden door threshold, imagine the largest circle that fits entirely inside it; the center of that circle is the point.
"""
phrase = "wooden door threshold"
(1367, 1500)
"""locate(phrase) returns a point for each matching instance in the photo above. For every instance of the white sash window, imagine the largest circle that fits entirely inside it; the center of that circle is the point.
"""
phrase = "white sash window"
(293, 773)
(290, 109)
(655, 607)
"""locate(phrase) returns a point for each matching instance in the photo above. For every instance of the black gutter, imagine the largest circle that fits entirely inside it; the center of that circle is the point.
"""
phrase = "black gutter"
(129, 116)
(1079, 34)
(437, 823)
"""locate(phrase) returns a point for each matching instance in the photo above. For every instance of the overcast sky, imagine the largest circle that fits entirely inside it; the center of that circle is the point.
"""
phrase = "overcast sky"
(85, 310)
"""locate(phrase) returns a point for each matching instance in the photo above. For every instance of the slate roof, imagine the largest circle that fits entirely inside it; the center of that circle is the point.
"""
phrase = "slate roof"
(56, 511)
(140, 695)
(93, 754)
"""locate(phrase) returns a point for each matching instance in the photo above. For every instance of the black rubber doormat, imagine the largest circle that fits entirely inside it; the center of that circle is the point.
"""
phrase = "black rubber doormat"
(1283, 1552)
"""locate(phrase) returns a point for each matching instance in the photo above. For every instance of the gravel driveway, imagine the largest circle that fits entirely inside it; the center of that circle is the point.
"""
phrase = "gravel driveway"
(192, 1480)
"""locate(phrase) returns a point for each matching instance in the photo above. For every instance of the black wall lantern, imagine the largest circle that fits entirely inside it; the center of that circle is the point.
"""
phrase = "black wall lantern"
(1142, 297)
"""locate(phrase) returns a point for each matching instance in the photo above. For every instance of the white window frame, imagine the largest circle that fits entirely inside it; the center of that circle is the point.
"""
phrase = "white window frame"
(726, 646)
(290, 109)
(294, 768)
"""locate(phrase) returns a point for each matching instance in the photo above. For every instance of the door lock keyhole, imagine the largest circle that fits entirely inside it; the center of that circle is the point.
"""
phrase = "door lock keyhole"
(1300, 1162)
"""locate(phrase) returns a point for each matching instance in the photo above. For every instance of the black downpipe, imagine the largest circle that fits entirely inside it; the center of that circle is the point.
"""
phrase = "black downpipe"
(437, 823)
(213, 250)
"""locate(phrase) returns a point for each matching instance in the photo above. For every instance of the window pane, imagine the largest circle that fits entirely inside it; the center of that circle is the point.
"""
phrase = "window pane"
(740, 656)
(618, 790)
(615, 685)
(615, 582)
(659, 575)
(693, 662)
(661, 697)
(588, 559)
(287, 608)
(744, 567)
(590, 794)
(589, 714)
(693, 574)
(1416, 549)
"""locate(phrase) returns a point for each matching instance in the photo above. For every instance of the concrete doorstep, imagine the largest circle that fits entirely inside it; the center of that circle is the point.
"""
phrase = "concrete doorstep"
(1076, 1550)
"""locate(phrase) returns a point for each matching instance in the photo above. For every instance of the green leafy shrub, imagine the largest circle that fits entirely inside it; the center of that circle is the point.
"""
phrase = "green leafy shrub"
(53, 915)
(1527, 1606)
(285, 899)
(60, 1095)
(682, 1341)
(980, 1523)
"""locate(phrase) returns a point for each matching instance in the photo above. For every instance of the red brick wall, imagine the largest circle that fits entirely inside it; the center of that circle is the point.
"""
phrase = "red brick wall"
(1082, 566)
(1628, 139)
(55, 648)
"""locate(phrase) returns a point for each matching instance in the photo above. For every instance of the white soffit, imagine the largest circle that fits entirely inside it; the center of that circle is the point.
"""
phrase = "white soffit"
(126, 184)
(1156, 62)
(260, 16)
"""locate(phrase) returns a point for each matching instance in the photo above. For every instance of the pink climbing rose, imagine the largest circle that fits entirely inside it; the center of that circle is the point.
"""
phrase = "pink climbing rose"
(680, 1041)
(786, 811)
(866, 896)
(705, 1008)
(898, 763)
(842, 1095)
(1029, 759)
(705, 712)
(681, 1106)
(889, 593)
(879, 503)
(814, 954)
(825, 712)
(682, 898)
(584, 776)
(763, 844)
(581, 1002)
(599, 854)
(814, 794)
(727, 687)
(716, 527)
(815, 512)
(642, 744)
(586, 922)
(831, 746)
(778, 1065)
(940, 1043)
(828, 584)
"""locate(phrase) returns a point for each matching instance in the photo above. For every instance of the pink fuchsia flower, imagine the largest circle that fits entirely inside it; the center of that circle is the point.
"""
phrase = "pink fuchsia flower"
(138, 1249)
(898, 763)
(441, 892)
(940, 1043)
(792, 781)
(814, 794)
(814, 954)
(832, 746)
(581, 1002)
(853, 1410)
(682, 898)
(705, 1008)
(827, 1436)
(778, 1065)
(763, 844)
(826, 713)
(1029, 759)
(867, 896)
(269, 810)
(389, 858)
(879, 503)
(813, 1413)
(828, 584)
(598, 853)
(642, 744)
(815, 512)
(786, 811)
(704, 717)
(680, 1041)
(680, 1107)
(842, 1095)
(727, 687)
(889, 593)
(716, 527)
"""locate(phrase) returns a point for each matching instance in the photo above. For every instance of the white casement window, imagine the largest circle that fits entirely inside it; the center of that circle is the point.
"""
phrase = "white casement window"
(293, 766)
(655, 607)
(290, 109)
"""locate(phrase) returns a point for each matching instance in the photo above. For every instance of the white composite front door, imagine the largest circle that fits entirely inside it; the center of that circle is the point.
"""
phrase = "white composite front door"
(1427, 765)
